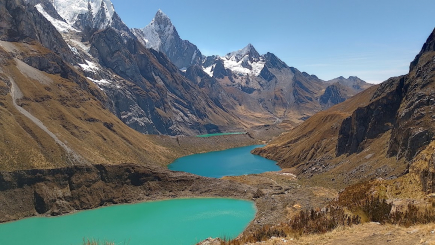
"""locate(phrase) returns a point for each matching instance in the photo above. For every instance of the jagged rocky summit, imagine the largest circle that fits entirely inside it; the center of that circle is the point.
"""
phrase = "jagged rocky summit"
(161, 35)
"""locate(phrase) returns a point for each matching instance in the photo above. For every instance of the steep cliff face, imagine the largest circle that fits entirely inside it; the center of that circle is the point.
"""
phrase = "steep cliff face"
(404, 105)
(64, 190)
(414, 127)
(371, 121)
(373, 134)
(24, 23)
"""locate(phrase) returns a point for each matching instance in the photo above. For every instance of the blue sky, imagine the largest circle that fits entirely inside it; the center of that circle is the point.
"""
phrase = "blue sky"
(371, 39)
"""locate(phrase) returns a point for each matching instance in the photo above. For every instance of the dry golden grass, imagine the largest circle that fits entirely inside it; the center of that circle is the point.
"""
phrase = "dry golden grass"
(69, 111)
(78, 120)
(369, 233)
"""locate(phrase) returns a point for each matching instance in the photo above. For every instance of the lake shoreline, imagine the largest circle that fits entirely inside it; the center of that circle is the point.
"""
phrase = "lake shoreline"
(53, 192)
(230, 162)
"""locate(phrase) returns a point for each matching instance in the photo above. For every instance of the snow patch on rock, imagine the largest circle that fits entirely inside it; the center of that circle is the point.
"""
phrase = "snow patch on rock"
(209, 70)
(89, 66)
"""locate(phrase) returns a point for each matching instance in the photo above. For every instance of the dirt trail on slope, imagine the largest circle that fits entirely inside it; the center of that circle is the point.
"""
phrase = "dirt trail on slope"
(17, 94)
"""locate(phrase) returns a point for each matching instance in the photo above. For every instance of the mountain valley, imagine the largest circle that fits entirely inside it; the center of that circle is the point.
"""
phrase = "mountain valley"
(92, 113)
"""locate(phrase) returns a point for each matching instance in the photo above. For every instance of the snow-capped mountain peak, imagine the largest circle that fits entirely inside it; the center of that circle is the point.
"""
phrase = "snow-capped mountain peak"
(249, 51)
(162, 23)
(160, 16)
(158, 31)
(99, 12)
(161, 35)
(246, 61)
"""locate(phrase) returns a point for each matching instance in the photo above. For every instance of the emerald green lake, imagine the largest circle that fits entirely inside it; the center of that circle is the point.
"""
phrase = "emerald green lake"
(178, 221)
(231, 162)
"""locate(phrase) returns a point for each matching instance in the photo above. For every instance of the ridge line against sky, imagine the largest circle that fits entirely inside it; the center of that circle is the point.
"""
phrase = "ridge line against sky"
(373, 40)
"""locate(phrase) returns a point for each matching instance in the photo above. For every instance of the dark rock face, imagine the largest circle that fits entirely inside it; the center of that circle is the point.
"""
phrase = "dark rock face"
(274, 62)
(213, 89)
(219, 70)
(160, 100)
(414, 127)
(333, 95)
(183, 53)
(23, 23)
(428, 46)
(371, 121)
(61, 191)
(266, 74)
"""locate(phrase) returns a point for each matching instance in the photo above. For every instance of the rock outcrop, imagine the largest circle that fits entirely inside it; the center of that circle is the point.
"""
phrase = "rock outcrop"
(371, 121)
(23, 23)
(64, 190)
(334, 94)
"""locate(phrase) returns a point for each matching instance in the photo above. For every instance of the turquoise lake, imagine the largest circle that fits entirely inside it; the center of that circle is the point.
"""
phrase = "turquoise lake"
(231, 162)
(178, 221)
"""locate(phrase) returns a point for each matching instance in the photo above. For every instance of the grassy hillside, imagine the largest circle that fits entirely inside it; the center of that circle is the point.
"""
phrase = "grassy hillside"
(71, 108)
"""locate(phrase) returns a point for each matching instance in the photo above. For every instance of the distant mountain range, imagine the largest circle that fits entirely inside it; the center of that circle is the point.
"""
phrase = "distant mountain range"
(255, 86)
(157, 83)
